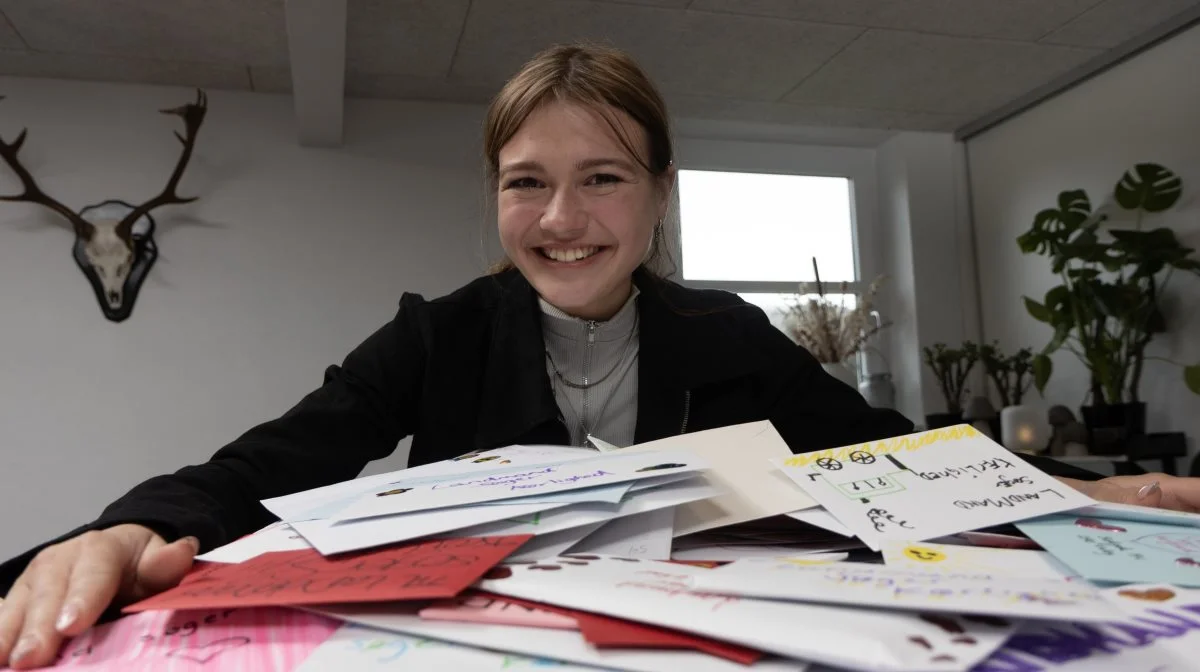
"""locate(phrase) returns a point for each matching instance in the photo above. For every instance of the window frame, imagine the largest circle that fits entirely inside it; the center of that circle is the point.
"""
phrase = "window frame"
(855, 164)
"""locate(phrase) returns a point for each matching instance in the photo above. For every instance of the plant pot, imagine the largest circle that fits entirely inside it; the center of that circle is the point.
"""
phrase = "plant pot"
(936, 420)
(1110, 426)
(841, 372)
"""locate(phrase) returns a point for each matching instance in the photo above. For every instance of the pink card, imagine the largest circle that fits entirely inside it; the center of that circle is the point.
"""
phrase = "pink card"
(267, 639)
(482, 609)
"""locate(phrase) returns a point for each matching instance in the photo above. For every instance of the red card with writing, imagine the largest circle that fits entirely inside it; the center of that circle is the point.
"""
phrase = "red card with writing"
(614, 633)
(435, 569)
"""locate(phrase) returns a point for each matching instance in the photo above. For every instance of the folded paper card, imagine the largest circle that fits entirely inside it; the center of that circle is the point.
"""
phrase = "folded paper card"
(1158, 631)
(858, 584)
(356, 648)
(615, 633)
(427, 570)
(274, 537)
(565, 645)
(660, 593)
(1025, 564)
(926, 485)
(607, 469)
(268, 638)
(1120, 551)
(330, 537)
(326, 500)
(638, 500)
(645, 535)
(751, 487)
(478, 608)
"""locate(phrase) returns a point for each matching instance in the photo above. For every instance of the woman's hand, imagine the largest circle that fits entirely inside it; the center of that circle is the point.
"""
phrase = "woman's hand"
(1156, 490)
(66, 587)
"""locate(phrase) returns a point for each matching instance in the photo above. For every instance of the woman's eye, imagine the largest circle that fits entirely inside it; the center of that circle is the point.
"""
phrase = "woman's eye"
(604, 179)
(522, 183)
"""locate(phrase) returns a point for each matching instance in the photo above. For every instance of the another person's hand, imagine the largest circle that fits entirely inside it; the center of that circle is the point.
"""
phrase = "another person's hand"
(1156, 490)
(66, 587)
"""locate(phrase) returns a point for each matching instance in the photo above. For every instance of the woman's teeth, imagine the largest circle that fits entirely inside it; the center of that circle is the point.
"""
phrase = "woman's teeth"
(573, 254)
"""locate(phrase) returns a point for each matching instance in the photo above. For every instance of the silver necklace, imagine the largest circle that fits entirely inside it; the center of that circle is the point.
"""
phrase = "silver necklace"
(587, 382)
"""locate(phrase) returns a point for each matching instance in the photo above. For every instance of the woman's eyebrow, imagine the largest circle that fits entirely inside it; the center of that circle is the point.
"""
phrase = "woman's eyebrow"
(585, 164)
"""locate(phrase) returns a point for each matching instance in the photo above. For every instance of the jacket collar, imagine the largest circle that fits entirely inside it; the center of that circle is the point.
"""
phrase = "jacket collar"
(688, 338)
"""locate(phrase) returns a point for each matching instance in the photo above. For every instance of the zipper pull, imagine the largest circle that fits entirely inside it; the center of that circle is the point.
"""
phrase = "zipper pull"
(591, 331)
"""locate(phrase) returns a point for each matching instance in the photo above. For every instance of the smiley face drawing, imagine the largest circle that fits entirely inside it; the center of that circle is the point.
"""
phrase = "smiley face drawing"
(924, 554)
(397, 491)
(665, 465)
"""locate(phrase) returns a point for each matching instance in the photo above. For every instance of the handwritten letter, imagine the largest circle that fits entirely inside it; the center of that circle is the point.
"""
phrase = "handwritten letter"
(927, 485)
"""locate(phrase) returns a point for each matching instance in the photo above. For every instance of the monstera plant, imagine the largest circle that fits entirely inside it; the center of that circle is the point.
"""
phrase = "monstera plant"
(1106, 309)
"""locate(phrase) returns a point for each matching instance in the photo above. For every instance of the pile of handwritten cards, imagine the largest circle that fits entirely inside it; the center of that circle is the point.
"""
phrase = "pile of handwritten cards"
(713, 551)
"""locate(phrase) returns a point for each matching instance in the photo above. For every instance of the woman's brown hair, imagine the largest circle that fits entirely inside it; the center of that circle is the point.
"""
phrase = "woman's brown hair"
(600, 77)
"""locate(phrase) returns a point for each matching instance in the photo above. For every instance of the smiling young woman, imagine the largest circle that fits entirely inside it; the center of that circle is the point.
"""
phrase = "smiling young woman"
(574, 336)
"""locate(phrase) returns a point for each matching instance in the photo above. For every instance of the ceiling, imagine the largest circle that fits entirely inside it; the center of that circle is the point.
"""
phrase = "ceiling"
(881, 64)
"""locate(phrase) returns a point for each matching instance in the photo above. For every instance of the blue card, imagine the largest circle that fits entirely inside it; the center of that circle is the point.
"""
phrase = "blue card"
(1120, 551)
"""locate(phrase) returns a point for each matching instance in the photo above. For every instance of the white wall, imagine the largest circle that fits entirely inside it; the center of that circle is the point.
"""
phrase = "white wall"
(1146, 109)
(289, 259)
(930, 294)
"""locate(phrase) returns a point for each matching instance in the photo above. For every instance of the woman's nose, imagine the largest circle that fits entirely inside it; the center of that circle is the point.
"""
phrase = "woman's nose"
(564, 215)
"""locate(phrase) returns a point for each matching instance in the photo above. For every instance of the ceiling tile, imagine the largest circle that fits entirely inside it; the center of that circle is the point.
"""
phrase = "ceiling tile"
(698, 107)
(929, 73)
(127, 70)
(669, 4)
(1114, 21)
(403, 37)
(697, 53)
(371, 85)
(9, 39)
(1008, 19)
(207, 31)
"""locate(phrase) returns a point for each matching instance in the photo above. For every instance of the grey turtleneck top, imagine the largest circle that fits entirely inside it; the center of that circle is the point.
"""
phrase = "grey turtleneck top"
(593, 370)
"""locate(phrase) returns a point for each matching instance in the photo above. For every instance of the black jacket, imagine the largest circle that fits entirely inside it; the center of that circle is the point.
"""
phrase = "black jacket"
(467, 371)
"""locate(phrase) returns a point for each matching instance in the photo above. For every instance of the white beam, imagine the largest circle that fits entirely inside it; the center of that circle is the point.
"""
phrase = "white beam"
(316, 31)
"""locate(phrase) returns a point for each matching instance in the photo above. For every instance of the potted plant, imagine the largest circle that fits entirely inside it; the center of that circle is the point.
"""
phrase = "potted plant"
(1021, 427)
(1106, 308)
(951, 366)
(833, 331)
(1011, 375)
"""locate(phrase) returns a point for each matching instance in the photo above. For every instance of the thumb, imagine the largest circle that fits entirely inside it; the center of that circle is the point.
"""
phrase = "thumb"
(163, 565)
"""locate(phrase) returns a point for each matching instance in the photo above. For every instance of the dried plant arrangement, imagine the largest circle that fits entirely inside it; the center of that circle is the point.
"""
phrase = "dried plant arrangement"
(828, 328)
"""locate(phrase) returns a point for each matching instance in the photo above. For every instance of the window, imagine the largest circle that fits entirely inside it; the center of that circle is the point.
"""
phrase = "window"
(757, 234)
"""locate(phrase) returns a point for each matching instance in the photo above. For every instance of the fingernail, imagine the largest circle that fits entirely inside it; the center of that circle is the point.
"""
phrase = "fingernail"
(193, 542)
(1147, 490)
(67, 616)
(25, 646)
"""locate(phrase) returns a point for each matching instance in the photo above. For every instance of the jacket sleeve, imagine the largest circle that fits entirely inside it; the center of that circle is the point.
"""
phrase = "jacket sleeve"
(812, 410)
(359, 413)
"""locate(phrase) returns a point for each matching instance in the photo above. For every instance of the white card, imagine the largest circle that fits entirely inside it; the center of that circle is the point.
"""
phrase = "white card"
(719, 553)
(556, 644)
(274, 537)
(738, 456)
(635, 502)
(553, 544)
(659, 593)
(606, 469)
(1158, 631)
(643, 535)
(926, 485)
(357, 648)
(819, 517)
(860, 584)
(1023, 564)
(330, 537)
(322, 502)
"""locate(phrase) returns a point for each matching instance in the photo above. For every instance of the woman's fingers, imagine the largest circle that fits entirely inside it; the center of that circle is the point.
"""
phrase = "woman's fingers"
(95, 579)
(38, 641)
(162, 566)
(12, 617)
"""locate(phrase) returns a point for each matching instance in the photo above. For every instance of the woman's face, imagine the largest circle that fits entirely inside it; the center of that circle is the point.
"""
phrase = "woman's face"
(576, 211)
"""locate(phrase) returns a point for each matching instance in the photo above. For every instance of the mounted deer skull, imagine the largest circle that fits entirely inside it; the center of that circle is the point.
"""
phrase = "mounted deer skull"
(114, 241)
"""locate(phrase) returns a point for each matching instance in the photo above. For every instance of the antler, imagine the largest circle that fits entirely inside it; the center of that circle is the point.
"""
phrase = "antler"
(33, 193)
(193, 116)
